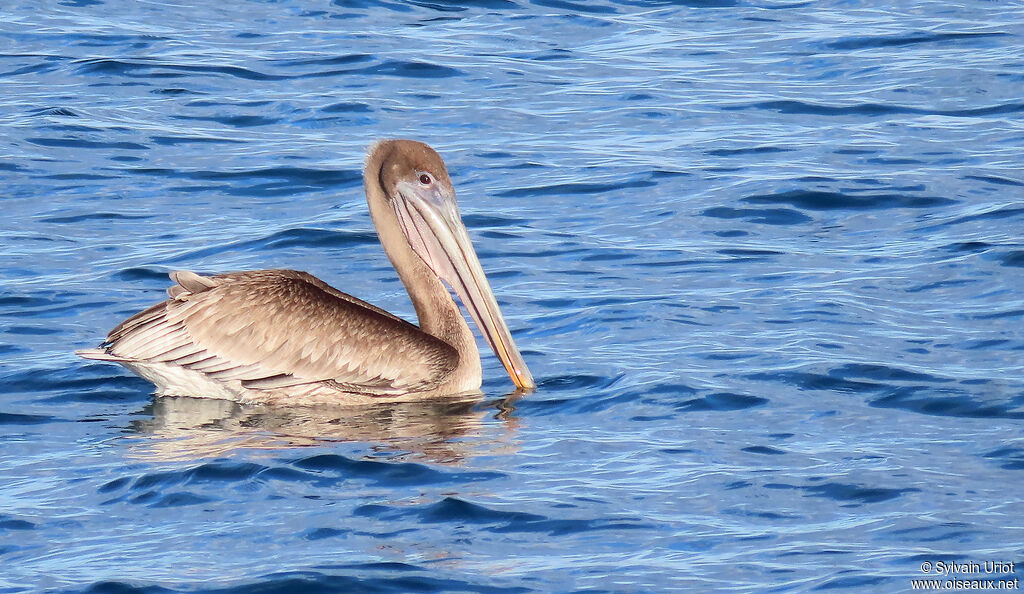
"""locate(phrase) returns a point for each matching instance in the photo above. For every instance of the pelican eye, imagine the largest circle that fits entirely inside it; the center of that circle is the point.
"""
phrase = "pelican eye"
(425, 179)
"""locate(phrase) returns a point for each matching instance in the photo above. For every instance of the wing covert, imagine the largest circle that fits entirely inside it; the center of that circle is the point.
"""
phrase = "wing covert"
(273, 329)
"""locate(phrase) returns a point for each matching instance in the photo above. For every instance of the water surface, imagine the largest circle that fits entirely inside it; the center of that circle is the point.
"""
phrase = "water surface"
(763, 258)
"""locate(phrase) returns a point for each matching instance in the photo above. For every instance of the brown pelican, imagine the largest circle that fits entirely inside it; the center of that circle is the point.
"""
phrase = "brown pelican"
(286, 336)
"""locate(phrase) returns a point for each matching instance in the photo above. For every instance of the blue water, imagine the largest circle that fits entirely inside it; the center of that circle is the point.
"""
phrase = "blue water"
(764, 258)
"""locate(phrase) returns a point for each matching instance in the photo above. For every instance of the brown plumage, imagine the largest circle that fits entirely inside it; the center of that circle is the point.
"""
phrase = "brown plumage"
(273, 335)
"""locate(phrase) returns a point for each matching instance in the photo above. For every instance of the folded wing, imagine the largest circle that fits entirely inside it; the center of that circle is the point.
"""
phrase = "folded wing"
(272, 329)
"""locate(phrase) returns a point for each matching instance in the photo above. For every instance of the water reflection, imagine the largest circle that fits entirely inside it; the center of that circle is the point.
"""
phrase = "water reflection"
(443, 430)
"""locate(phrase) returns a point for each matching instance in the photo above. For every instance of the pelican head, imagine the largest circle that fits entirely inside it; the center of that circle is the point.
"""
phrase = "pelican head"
(414, 182)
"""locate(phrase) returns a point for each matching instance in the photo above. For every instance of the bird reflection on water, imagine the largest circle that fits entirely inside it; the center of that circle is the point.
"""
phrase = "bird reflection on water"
(444, 430)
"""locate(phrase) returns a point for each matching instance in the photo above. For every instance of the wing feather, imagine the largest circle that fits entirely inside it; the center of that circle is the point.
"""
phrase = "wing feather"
(272, 329)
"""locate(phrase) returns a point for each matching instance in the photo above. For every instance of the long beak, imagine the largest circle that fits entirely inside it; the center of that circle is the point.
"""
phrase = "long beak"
(434, 228)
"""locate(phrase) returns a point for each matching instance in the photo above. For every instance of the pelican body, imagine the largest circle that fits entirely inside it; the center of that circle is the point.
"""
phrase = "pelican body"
(287, 336)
